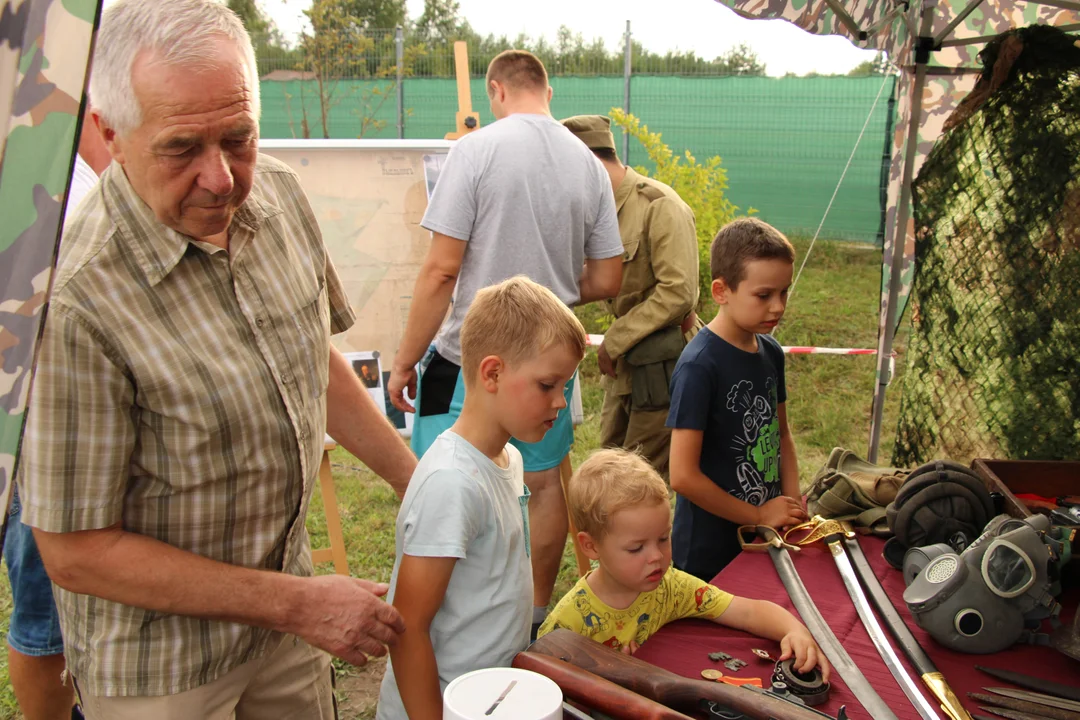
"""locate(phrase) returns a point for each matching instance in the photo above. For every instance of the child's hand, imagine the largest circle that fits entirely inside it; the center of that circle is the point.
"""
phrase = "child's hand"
(629, 649)
(781, 512)
(807, 654)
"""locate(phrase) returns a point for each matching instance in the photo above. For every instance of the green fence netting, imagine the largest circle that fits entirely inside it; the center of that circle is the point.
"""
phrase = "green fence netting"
(994, 362)
(784, 141)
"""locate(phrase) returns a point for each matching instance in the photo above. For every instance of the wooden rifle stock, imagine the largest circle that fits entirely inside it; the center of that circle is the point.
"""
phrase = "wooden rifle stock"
(666, 688)
(594, 691)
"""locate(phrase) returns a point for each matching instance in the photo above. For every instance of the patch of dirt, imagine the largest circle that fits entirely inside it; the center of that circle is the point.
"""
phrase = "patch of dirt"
(358, 690)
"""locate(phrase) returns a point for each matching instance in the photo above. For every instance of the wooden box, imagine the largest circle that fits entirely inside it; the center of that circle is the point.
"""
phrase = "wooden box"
(1042, 477)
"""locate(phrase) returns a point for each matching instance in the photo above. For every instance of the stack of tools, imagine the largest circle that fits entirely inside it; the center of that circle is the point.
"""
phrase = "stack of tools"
(1042, 700)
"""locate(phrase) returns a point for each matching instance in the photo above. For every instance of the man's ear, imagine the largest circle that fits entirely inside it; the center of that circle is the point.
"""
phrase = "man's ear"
(588, 545)
(550, 93)
(491, 367)
(108, 136)
(720, 291)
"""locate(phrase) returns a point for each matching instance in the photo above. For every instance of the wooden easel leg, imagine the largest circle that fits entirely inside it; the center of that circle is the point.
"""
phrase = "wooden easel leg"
(583, 564)
(333, 519)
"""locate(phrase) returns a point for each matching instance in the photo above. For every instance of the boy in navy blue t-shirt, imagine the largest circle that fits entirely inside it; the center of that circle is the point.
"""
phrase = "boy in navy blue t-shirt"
(732, 454)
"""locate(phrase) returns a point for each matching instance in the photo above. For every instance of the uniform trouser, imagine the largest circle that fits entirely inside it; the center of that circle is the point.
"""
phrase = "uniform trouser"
(292, 681)
(642, 430)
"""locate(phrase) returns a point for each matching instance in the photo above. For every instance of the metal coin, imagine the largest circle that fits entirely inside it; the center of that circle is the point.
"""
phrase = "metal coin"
(711, 674)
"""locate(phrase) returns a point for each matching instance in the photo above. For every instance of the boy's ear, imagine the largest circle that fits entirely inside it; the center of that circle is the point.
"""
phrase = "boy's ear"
(588, 545)
(720, 291)
(491, 367)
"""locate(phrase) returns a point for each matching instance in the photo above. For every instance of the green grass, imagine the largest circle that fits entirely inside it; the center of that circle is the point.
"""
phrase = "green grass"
(835, 304)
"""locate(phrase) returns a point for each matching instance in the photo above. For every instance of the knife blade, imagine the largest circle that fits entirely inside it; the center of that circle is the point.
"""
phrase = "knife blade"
(1069, 692)
(1023, 706)
(1049, 700)
(1012, 714)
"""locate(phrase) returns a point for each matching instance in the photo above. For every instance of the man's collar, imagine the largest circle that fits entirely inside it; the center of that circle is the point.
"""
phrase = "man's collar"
(629, 182)
(156, 247)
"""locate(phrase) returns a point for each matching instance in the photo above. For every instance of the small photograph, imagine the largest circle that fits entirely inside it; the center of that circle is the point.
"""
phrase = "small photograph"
(432, 167)
(367, 371)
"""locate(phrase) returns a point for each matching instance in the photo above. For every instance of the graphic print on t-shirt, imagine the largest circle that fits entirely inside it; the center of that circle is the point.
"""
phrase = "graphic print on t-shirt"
(758, 469)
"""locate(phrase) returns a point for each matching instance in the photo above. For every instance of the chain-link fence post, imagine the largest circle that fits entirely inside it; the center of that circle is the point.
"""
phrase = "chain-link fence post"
(399, 42)
(629, 54)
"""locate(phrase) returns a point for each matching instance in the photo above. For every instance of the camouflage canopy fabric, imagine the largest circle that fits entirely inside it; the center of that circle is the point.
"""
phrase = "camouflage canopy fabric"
(44, 52)
(960, 28)
(994, 359)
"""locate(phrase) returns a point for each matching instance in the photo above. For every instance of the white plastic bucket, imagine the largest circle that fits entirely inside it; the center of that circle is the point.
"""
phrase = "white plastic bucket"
(502, 694)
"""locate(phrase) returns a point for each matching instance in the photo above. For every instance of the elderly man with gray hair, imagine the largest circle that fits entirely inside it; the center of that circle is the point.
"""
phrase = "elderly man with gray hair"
(184, 383)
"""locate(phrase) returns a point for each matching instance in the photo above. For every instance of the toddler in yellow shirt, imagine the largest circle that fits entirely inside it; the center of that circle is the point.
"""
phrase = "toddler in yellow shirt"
(621, 508)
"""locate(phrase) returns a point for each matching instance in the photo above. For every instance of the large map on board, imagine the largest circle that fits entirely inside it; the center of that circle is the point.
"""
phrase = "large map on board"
(369, 202)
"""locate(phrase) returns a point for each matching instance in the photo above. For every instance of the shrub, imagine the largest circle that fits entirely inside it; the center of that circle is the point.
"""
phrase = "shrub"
(700, 185)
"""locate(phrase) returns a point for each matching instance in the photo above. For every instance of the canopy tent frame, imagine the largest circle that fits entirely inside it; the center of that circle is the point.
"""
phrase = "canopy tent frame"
(924, 44)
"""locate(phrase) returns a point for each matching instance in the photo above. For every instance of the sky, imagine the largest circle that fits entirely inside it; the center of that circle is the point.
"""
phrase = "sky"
(702, 26)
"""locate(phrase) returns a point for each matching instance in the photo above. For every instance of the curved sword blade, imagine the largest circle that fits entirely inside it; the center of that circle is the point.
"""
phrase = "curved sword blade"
(931, 676)
(877, 635)
(843, 664)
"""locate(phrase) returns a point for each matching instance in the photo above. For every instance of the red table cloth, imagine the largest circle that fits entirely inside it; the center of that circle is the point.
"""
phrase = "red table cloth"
(682, 646)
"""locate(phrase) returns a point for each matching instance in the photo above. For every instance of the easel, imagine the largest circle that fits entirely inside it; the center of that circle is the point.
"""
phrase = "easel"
(467, 120)
(336, 551)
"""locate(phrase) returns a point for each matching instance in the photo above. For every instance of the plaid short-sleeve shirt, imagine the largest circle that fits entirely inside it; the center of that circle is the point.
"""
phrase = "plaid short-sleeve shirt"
(181, 390)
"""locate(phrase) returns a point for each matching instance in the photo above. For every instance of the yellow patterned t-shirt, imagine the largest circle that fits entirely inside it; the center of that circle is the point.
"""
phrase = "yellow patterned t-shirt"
(678, 596)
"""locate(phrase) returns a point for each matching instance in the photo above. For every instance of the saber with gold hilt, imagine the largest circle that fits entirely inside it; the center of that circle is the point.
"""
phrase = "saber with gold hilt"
(855, 571)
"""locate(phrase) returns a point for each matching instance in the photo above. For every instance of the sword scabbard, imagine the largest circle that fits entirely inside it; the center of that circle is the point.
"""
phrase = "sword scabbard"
(950, 704)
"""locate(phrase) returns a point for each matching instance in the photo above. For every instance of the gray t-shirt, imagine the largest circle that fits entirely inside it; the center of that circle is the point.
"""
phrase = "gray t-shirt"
(530, 199)
(461, 504)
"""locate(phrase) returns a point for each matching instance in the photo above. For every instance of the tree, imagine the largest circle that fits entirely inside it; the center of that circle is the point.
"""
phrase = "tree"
(440, 21)
(251, 15)
(878, 66)
(701, 185)
(375, 14)
(740, 60)
(335, 40)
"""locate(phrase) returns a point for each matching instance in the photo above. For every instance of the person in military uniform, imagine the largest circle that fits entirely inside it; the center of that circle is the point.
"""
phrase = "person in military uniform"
(654, 310)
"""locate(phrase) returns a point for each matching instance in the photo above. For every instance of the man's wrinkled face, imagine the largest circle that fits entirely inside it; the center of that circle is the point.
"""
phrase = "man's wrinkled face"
(193, 157)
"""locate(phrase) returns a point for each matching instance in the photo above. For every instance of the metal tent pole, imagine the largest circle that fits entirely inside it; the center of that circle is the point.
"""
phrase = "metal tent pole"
(399, 52)
(923, 45)
(627, 62)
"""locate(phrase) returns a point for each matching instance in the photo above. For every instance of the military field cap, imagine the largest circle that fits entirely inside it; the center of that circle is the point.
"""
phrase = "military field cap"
(593, 130)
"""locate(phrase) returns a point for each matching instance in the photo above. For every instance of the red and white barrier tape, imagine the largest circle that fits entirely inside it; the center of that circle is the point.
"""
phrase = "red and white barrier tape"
(595, 341)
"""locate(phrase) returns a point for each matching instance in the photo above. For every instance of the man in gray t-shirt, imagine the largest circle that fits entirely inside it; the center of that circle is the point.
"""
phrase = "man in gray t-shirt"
(520, 197)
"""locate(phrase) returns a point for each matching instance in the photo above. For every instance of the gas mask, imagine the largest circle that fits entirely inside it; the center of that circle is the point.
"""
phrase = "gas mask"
(988, 597)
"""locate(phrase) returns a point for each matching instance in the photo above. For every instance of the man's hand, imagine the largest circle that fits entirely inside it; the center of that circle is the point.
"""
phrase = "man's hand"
(807, 654)
(400, 379)
(347, 618)
(607, 365)
(781, 512)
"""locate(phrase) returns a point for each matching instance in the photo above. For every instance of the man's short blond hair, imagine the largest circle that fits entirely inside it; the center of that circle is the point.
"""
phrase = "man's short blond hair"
(517, 70)
(610, 481)
(515, 320)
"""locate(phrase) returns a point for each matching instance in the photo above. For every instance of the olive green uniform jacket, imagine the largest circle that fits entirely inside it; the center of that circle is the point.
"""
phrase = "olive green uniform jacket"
(659, 290)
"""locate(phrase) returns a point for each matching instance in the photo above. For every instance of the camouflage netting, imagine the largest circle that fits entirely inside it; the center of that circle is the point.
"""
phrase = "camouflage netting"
(994, 359)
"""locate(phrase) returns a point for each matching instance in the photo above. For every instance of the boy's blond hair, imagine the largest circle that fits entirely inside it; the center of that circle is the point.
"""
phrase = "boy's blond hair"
(515, 320)
(610, 481)
(741, 241)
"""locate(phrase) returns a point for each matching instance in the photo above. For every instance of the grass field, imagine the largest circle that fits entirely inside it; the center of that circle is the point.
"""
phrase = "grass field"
(835, 304)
